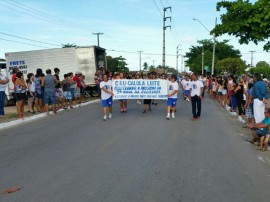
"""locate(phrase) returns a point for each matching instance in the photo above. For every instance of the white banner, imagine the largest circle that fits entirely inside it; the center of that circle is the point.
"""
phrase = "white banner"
(140, 89)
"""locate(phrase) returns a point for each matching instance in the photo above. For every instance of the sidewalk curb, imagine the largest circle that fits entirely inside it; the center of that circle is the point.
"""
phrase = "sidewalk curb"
(39, 116)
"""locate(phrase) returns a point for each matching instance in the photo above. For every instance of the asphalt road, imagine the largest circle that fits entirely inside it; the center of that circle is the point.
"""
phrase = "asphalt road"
(77, 157)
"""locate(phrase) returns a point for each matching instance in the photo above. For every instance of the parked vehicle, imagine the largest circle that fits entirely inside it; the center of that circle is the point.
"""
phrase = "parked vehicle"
(86, 60)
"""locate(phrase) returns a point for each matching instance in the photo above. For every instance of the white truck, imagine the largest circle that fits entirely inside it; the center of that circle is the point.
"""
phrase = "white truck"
(86, 59)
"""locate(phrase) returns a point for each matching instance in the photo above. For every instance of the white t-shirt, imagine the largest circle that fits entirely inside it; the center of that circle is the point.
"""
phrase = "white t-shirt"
(3, 86)
(172, 87)
(186, 84)
(108, 87)
(196, 88)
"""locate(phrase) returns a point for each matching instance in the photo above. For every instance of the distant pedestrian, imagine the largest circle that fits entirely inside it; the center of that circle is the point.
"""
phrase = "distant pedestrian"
(172, 97)
(20, 91)
(3, 85)
(123, 102)
(31, 93)
(77, 95)
(66, 89)
(260, 98)
(196, 91)
(49, 91)
(13, 78)
(106, 96)
(58, 90)
(39, 80)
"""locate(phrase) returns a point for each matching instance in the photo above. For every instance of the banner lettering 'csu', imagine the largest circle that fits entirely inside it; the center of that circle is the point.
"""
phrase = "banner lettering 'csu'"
(140, 89)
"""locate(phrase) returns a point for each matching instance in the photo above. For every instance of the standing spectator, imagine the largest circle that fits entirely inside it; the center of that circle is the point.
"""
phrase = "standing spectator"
(83, 88)
(78, 97)
(49, 91)
(3, 85)
(13, 78)
(249, 103)
(72, 87)
(239, 92)
(58, 90)
(196, 91)
(225, 92)
(260, 98)
(31, 92)
(20, 87)
(66, 89)
(39, 80)
(106, 96)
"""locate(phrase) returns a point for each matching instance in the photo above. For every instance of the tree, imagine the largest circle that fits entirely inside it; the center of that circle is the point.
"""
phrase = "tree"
(145, 66)
(223, 50)
(68, 45)
(262, 64)
(249, 22)
(117, 64)
(265, 71)
(231, 65)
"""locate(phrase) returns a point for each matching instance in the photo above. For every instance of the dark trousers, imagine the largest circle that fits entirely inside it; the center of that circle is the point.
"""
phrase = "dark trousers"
(240, 105)
(2, 102)
(196, 106)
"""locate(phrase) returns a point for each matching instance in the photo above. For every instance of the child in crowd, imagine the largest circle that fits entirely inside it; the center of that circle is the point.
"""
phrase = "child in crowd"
(66, 89)
(264, 141)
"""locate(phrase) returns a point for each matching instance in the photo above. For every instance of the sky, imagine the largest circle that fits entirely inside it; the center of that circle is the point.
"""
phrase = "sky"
(128, 26)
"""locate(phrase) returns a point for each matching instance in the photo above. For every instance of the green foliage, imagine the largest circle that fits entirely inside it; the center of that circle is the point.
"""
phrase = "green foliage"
(265, 71)
(223, 50)
(145, 66)
(262, 64)
(69, 45)
(249, 22)
(117, 64)
(231, 65)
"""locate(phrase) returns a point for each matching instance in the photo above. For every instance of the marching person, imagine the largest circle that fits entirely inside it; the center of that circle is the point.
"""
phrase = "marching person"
(3, 84)
(195, 95)
(172, 97)
(106, 96)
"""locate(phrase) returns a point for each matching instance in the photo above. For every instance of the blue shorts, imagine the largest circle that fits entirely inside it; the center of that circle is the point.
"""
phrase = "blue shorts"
(261, 133)
(49, 97)
(171, 102)
(107, 103)
(67, 95)
(187, 93)
(72, 91)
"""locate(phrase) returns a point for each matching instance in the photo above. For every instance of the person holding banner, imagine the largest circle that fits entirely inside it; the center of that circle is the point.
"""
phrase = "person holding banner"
(123, 102)
(172, 97)
(106, 96)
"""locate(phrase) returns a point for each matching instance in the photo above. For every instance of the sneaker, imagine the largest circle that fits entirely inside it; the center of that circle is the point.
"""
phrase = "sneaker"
(125, 110)
(122, 111)
(188, 100)
(173, 116)
(105, 118)
(193, 119)
(168, 118)
(144, 111)
(110, 116)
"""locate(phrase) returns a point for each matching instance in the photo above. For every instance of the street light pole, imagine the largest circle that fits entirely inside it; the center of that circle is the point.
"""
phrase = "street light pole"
(99, 33)
(177, 56)
(214, 51)
(214, 45)
(202, 60)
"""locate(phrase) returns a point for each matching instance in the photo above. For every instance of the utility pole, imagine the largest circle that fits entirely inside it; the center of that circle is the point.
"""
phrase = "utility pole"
(214, 51)
(177, 56)
(202, 60)
(164, 35)
(140, 53)
(99, 33)
(252, 52)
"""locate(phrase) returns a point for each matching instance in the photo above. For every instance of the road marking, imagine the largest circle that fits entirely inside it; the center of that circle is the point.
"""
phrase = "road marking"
(107, 144)
(36, 117)
(261, 159)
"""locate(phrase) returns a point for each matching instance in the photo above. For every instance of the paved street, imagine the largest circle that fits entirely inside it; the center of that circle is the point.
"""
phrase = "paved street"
(75, 156)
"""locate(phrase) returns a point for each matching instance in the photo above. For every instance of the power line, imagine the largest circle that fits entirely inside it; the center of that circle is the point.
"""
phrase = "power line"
(29, 39)
(158, 8)
(23, 43)
(42, 14)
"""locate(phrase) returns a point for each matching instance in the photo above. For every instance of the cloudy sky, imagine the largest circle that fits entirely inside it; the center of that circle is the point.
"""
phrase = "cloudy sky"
(128, 26)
